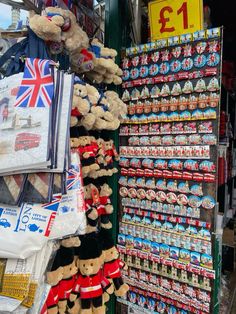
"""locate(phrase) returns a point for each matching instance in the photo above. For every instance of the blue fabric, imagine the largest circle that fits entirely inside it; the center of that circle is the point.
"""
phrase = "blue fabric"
(32, 47)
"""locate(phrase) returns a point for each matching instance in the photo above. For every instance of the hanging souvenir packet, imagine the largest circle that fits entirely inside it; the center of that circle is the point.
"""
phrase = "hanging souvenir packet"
(37, 276)
(26, 229)
(62, 127)
(25, 120)
(70, 218)
(16, 277)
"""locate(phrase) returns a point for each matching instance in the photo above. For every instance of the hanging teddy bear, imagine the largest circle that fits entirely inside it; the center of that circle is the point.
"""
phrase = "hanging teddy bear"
(90, 283)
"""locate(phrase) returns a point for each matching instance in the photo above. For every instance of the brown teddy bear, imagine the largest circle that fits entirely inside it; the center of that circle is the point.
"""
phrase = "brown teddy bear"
(90, 283)
(87, 148)
(80, 102)
(67, 282)
(112, 264)
(53, 277)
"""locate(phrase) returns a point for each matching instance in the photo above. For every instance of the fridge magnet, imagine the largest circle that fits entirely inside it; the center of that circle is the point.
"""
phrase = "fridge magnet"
(164, 68)
(172, 186)
(184, 255)
(208, 202)
(125, 63)
(175, 66)
(213, 59)
(200, 86)
(164, 250)
(144, 59)
(160, 196)
(155, 248)
(129, 241)
(165, 90)
(183, 187)
(182, 199)
(171, 198)
(123, 191)
(194, 201)
(143, 71)
(125, 75)
(174, 252)
(200, 61)
(187, 64)
(188, 87)
(213, 85)
(165, 55)
(135, 61)
(176, 89)
(206, 261)
(196, 189)
(155, 56)
(195, 258)
(201, 47)
(176, 52)
(134, 73)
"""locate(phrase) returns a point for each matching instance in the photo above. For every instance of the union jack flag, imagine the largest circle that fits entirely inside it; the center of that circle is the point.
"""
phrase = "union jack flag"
(36, 89)
(73, 179)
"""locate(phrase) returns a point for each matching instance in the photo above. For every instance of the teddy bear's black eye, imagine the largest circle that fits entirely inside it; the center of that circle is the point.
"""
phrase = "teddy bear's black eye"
(111, 253)
(91, 264)
(84, 265)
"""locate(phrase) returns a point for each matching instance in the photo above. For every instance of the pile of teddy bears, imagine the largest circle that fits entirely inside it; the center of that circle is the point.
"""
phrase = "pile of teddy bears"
(96, 110)
(60, 30)
(83, 275)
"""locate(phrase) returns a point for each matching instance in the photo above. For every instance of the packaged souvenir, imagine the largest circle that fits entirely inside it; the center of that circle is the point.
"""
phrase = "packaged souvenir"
(195, 139)
(187, 64)
(164, 68)
(141, 194)
(181, 140)
(145, 93)
(213, 59)
(203, 100)
(124, 162)
(150, 194)
(213, 85)
(171, 198)
(178, 128)
(123, 181)
(143, 71)
(155, 92)
(183, 187)
(155, 140)
(188, 87)
(190, 127)
(209, 139)
(125, 63)
(175, 66)
(164, 104)
(200, 86)
(165, 128)
(200, 61)
(208, 202)
(185, 115)
(184, 255)
(214, 100)
(164, 250)
(176, 89)
(133, 141)
(201, 47)
(155, 56)
(144, 59)
(160, 196)
(175, 164)
(194, 201)
(143, 129)
(165, 90)
(167, 140)
(172, 186)
(210, 114)
(135, 94)
(195, 258)
(193, 101)
(198, 114)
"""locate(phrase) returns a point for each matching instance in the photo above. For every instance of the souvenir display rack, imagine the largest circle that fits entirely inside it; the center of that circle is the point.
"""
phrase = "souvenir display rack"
(168, 190)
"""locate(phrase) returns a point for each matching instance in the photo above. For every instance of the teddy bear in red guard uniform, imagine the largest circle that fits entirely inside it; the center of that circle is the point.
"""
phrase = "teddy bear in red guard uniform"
(90, 283)
(53, 278)
(112, 264)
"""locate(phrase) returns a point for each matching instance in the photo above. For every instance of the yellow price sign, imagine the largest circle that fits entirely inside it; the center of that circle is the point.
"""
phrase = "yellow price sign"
(174, 17)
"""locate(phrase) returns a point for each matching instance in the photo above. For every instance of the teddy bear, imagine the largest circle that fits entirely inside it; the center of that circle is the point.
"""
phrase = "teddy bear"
(67, 282)
(59, 26)
(82, 60)
(72, 35)
(87, 148)
(117, 107)
(105, 69)
(47, 27)
(80, 102)
(53, 277)
(90, 283)
(100, 203)
(104, 198)
(112, 264)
